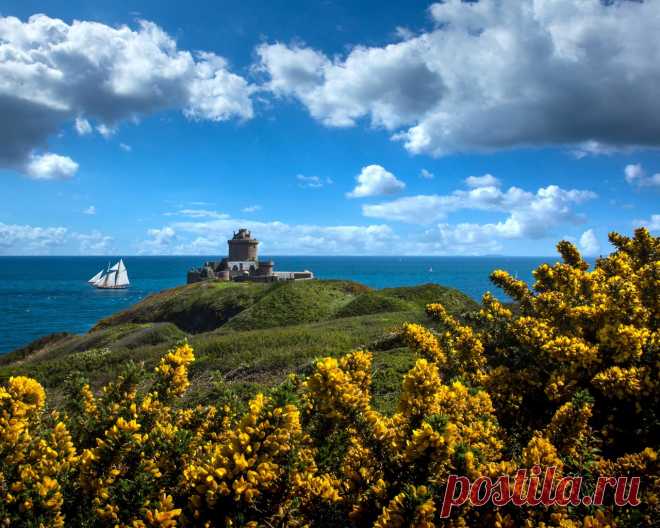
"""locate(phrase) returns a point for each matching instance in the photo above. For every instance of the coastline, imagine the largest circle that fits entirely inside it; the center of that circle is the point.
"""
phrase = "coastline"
(45, 295)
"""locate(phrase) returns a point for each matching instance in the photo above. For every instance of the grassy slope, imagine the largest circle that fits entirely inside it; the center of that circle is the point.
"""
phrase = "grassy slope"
(259, 333)
(193, 308)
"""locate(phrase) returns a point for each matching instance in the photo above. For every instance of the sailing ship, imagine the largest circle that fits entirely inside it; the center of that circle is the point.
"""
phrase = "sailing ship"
(111, 278)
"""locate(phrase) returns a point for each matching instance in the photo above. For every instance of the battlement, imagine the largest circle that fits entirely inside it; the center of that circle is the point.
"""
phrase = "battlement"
(243, 247)
(242, 264)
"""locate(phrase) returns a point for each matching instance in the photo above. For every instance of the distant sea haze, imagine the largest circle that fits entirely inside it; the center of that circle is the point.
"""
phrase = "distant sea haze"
(42, 295)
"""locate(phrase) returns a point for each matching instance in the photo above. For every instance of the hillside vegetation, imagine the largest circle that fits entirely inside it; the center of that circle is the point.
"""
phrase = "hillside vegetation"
(488, 403)
(247, 336)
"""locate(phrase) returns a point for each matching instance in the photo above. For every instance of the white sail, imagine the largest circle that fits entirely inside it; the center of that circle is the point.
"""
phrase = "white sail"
(114, 277)
(121, 278)
(107, 281)
(96, 277)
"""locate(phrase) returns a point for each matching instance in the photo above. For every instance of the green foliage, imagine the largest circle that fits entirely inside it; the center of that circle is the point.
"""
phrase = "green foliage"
(372, 303)
(289, 303)
(453, 300)
(236, 361)
(196, 307)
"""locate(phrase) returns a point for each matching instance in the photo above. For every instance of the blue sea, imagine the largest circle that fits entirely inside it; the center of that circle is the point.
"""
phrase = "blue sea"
(42, 295)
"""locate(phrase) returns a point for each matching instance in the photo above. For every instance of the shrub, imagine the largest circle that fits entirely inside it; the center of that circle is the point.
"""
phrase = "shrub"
(570, 381)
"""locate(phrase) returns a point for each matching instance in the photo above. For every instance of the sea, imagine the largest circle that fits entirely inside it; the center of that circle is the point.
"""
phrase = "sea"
(42, 295)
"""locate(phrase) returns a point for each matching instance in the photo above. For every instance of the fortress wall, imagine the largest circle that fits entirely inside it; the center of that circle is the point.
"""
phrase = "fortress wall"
(242, 250)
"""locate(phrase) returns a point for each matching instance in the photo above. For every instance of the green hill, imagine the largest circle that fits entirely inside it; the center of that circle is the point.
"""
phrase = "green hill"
(247, 336)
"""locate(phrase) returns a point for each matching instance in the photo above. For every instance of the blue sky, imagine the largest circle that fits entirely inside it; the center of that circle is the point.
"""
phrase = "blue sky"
(327, 127)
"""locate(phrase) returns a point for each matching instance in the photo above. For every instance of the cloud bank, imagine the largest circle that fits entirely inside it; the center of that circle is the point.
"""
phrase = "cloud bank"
(53, 73)
(277, 238)
(528, 215)
(493, 75)
(17, 239)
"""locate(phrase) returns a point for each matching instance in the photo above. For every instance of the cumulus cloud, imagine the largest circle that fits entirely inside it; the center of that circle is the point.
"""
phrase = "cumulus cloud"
(487, 180)
(430, 208)
(529, 215)
(493, 75)
(374, 180)
(636, 175)
(125, 147)
(48, 166)
(392, 85)
(91, 210)
(96, 76)
(425, 174)
(251, 209)
(589, 243)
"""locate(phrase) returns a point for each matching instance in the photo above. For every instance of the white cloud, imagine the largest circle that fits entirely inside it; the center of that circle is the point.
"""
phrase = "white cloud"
(217, 94)
(49, 167)
(311, 182)
(125, 147)
(374, 180)
(106, 131)
(493, 75)
(251, 209)
(91, 210)
(636, 175)
(82, 126)
(413, 209)
(33, 240)
(589, 243)
(528, 215)
(427, 175)
(94, 243)
(551, 201)
(25, 239)
(652, 225)
(52, 73)
(460, 239)
(403, 33)
(487, 180)
(198, 213)
(160, 241)
(277, 238)
(393, 85)
(594, 148)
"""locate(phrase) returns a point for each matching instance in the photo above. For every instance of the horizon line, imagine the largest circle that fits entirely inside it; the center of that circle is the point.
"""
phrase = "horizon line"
(124, 255)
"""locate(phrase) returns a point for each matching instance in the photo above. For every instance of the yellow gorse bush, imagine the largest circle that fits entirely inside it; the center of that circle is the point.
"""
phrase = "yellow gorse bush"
(567, 377)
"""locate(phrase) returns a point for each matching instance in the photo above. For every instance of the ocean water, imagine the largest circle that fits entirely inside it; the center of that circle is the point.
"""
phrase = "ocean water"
(42, 295)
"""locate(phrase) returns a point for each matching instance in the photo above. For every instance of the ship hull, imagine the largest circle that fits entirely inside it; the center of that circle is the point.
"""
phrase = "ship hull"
(110, 287)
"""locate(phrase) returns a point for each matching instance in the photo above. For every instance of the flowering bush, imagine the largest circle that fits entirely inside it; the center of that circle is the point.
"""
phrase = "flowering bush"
(565, 379)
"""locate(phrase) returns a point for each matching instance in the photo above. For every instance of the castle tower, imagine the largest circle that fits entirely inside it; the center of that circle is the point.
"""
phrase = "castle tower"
(242, 246)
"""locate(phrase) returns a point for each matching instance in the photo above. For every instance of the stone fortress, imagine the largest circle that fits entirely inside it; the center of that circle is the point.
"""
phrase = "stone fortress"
(242, 264)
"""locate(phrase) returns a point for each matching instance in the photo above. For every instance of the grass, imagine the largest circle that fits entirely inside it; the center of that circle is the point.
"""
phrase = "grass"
(289, 303)
(275, 330)
(193, 308)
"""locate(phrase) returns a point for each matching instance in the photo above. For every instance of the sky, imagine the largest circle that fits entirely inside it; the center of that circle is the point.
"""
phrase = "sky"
(327, 127)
